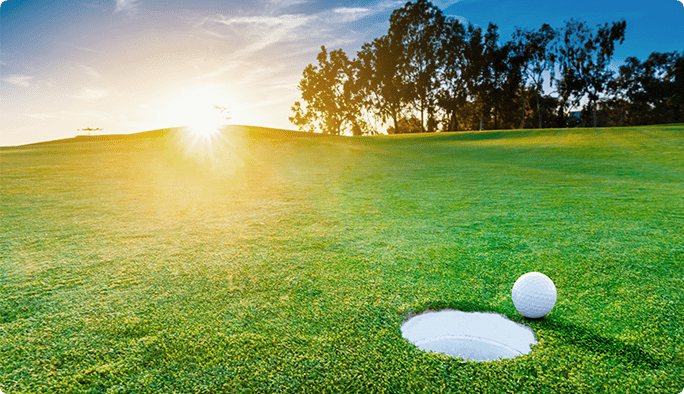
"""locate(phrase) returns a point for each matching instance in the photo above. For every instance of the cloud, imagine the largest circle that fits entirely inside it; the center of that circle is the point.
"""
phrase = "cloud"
(285, 39)
(351, 14)
(130, 6)
(81, 48)
(88, 70)
(88, 94)
(19, 80)
(67, 115)
(41, 116)
(264, 30)
(268, 21)
(286, 3)
(222, 70)
(462, 19)
(444, 3)
(259, 32)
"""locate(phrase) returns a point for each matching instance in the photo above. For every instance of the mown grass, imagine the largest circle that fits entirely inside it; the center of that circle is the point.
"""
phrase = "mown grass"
(287, 263)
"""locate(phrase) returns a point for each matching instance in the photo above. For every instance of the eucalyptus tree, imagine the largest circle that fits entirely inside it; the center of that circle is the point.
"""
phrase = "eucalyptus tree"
(584, 56)
(380, 78)
(537, 58)
(332, 101)
(419, 27)
(504, 79)
(486, 68)
(653, 88)
(453, 93)
(571, 55)
(476, 71)
(623, 90)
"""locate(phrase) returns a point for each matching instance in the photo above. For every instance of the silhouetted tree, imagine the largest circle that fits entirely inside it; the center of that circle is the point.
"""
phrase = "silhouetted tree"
(654, 88)
(584, 57)
(477, 73)
(536, 56)
(508, 97)
(453, 93)
(329, 91)
(489, 65)
(419, 27)
(571, 54)
(380, 78)
(409, 124)
(433, 65)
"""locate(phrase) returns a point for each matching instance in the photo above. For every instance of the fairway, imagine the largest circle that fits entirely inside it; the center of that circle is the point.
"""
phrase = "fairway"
(276, 261)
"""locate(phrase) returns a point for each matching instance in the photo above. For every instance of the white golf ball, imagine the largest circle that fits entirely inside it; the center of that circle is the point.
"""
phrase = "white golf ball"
(534, 295)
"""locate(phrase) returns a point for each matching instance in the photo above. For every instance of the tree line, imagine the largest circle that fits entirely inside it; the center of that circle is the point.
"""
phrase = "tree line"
(430, 73)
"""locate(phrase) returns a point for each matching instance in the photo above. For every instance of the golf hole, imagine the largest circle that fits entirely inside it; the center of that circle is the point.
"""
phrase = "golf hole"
(473, 336)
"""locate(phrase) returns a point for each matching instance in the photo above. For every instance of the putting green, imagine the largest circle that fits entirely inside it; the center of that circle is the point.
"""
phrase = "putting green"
(280, 262)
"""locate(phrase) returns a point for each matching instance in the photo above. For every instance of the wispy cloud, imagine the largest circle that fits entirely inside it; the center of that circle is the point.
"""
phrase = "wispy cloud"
(41, 116)
(68, 115)
(286, 3)
(264, 21)
(285, 37)
(462, 19)
(221, 70)
(444, 3)
(264, 30)
(129, 6)
(19, 80)
(81, 48)
(90, 71)
(90, 94)
(92, 5)
(351, 14)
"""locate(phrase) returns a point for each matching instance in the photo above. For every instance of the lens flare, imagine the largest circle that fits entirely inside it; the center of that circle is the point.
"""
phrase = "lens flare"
(205, 130)
(203, 138)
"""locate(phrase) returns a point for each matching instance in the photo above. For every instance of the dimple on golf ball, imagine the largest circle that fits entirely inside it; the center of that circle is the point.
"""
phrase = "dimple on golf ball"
(534, 295)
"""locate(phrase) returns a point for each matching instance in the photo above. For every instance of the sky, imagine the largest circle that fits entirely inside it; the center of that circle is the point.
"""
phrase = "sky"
(128, 66)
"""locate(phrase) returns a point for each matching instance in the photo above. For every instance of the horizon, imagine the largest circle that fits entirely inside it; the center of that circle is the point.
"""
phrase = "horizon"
(130, 66)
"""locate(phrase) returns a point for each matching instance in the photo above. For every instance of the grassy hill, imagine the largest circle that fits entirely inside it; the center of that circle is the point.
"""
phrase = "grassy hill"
(275, 261)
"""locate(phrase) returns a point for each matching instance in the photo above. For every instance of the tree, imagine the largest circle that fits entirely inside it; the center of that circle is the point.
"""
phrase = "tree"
(406, 125)
(508, 82)
(536, 58)
(418, 27)
(380, 79)
(453, 93)
(331, 99)
(476, 70)
(622, 91)
(654, 88)
(571, 54)
(584, 57)
(488, 70)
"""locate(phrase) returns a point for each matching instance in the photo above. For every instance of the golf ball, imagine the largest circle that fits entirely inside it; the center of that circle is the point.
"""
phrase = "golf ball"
(534, 295)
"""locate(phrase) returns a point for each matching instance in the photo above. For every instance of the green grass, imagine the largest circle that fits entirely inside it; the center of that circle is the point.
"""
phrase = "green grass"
(287, 263)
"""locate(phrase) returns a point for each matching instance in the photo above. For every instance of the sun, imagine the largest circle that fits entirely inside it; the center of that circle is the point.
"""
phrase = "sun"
(206, 130)
(203, 136)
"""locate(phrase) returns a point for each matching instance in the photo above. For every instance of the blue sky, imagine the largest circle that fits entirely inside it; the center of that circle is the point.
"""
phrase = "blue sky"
(134, 65)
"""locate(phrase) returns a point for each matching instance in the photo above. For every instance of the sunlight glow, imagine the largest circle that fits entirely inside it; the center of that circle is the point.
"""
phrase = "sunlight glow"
(205, 142)
(206, 130)
(194, 107)
(204, 139)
